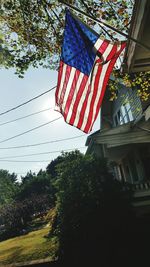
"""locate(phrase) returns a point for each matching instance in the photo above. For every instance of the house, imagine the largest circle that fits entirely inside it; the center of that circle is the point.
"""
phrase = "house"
(138, 58)
(124, 135)
(124, 139)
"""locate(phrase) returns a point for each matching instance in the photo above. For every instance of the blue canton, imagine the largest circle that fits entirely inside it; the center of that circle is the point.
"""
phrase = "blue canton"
(78, 42)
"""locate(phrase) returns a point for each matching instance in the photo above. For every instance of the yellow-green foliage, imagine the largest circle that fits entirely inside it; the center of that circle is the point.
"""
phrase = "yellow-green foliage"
(31, 246)
(51, 217)
(137, 81)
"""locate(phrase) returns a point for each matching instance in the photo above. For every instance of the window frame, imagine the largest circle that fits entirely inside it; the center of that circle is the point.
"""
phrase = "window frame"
(123, 114)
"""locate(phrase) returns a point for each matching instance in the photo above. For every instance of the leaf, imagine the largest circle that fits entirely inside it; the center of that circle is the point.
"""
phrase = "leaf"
(37, 28)
(121, 11)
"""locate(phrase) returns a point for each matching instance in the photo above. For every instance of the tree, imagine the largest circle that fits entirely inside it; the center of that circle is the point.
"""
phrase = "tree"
(8, 187)
(31, 31)
(37, 185)
(16, 216)
(52, 166)
(94, 212)
(20, 202)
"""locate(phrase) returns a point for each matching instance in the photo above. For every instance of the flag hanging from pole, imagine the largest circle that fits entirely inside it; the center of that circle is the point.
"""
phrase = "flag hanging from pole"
(85, 66)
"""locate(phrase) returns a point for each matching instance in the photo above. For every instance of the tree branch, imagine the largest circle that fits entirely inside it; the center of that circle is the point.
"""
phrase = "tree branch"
(57, 18)
(50, 20)
(103, 29)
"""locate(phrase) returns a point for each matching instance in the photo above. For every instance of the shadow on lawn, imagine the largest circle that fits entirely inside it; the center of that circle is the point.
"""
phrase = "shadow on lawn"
(15, 253)
(36, 225)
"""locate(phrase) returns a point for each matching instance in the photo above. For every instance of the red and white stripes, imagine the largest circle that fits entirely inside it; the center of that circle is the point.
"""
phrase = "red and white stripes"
(78, 96)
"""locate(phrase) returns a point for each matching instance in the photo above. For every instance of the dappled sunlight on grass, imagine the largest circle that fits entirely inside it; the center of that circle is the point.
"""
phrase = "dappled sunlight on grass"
(31, 246)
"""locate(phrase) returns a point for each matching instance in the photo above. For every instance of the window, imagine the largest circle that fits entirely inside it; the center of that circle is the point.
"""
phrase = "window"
(129, 112)
(123, 115)
(121, 173)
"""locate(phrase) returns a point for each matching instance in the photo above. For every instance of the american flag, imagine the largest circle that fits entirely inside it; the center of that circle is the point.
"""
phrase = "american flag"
(85, 66)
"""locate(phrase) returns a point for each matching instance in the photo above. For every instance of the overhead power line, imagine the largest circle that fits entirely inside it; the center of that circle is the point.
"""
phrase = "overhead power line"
(28, 101)
(44, 143)
(41, 153)
(7, 160)
(28, 131)
(29, 115)
(47, 160)
(22, 173)
(145, 46)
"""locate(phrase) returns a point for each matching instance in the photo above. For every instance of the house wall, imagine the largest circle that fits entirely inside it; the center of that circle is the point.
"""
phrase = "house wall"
(127, 95)
(97, 150)
(128, 162)
(134, 170)
(145, 157)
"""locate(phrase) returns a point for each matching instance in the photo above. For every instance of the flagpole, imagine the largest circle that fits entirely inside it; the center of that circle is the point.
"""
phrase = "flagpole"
(107, 25)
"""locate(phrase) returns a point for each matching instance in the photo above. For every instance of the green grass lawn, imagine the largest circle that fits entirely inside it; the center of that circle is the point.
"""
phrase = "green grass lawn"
(31, 246)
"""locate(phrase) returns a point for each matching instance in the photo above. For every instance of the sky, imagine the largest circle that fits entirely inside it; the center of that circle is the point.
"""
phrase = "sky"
(15, 91)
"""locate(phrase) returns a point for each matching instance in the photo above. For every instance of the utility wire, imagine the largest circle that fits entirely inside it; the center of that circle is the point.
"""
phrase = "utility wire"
(48, 160)
(91, 13)
(7, 160)
(35, 128)
(28, 101)
(43, 143)
(22, 173)
(145, 46)
(29, 115)
(41, 153)
(102, 28)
